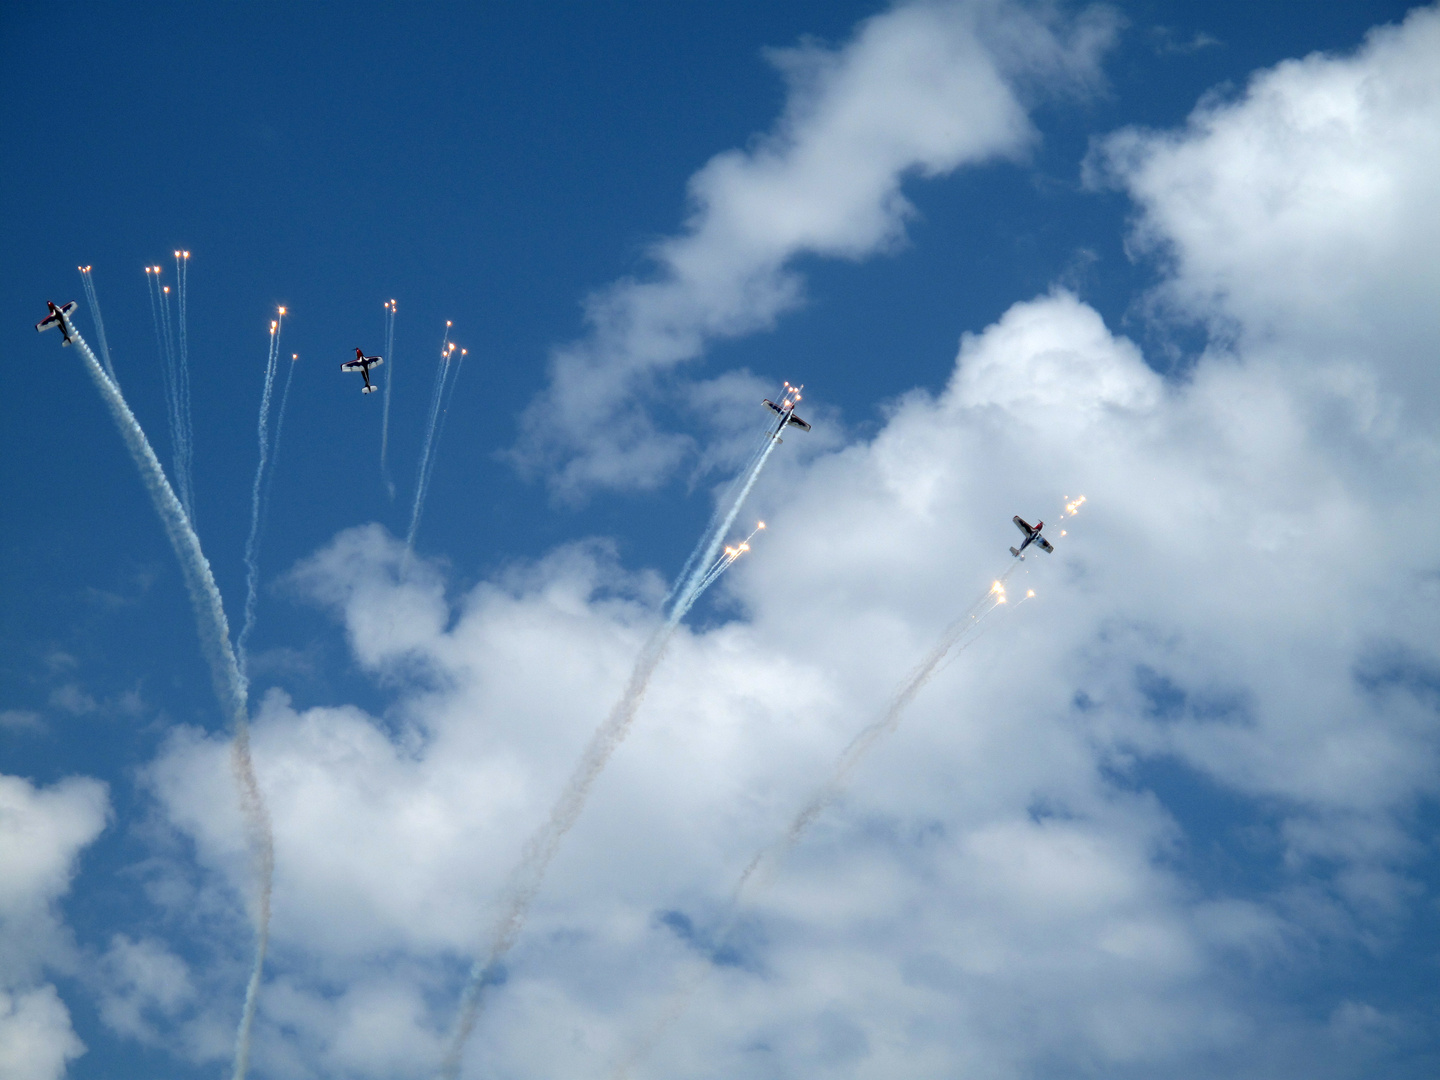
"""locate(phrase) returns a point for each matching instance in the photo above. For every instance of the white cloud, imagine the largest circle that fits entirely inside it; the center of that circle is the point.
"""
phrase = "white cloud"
(1301, 214)
(42, 831)
(140, 977)
(36, 1039)
(1012, 886)
(921, 90)
(1005, 856)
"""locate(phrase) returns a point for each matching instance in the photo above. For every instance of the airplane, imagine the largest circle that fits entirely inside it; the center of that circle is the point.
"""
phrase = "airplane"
(1032, 536)
(363, 364)
(786, 409)
(59, 316)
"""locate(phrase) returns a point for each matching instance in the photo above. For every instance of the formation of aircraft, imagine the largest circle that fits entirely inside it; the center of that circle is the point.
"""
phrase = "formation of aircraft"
(786, 411)
(59, 316)
(1032, 536)
(363, 364)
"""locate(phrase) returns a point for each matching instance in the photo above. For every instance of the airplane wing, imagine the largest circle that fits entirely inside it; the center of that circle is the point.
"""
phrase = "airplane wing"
(352, 365)
(374, 361)
(1044, 544)
(1023, 527)
(798, 422)
(773, 406)
(53, 319)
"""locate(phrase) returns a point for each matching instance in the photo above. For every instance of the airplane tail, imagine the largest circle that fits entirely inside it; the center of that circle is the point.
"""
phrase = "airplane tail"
(368, 389)
(1015, 552)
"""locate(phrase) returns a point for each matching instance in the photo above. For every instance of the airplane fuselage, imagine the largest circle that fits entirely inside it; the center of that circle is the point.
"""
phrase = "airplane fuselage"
(363, 364)
(786, 412)
(1032, 536)
(59, 316)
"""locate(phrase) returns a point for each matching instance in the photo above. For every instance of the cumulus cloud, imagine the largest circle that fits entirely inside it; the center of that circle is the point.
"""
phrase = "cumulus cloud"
(1023, 880)
(1010, 854)
(1300, 215)
(36, 1039)
(42, 831)
(920, 90)
(140, 977)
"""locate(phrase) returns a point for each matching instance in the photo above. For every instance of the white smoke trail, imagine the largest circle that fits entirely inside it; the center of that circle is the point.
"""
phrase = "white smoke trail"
(540, 850)
(214, 632)
(280, 422)
(709, 546)
(94, 302)
(252, 542)
(958, 636)
(165, 344)
(275, 440)
(727, 558)
(723, 506)
(439, 429)
(182, 382)
(385, 410)
(179, 408)
(167, 373)
(422, 476)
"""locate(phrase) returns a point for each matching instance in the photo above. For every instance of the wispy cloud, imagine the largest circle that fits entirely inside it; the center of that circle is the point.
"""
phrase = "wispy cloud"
(919, 91)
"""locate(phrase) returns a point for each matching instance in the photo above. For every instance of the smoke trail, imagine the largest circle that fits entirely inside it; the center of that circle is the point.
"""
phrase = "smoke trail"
(439, 428)
(252, 542)
(961, 633)
(727, 558)
(709, 546)
(275, 441)
(152, 279)
(280, 425)
(165, 344)
(958, 636)
(385, 411)
(422, 477)
(94, 302)
(214, 632)
(186, 473)
(723, 506)
(540, 850)
(179, 408)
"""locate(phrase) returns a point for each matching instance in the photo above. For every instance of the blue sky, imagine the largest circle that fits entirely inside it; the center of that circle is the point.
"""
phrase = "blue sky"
(1175, 816)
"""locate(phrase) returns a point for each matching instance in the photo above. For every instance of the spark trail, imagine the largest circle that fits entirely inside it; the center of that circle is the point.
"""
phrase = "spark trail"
(257, 491)
(280, 422)
(691, 581)
(385, 410)
(726, 558)
(440, 430)
(214, 632)
(94, 302)
(275, 442)
(958, 636)
(152, 280)
(698, 574)
(178, 420)
(182, 380)
(437, 397)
